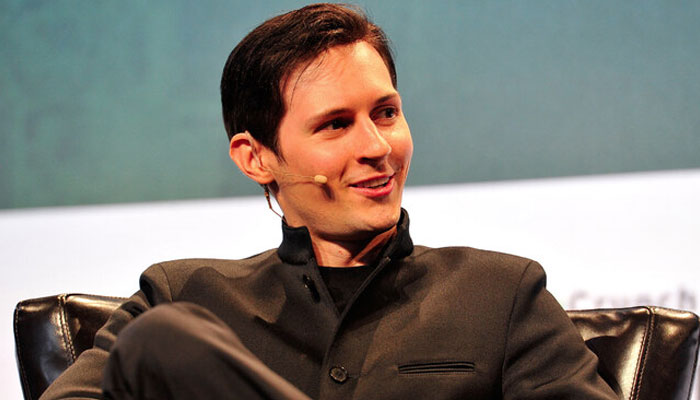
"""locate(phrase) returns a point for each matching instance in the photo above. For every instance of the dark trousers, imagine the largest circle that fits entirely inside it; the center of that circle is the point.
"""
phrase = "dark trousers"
(183, 351)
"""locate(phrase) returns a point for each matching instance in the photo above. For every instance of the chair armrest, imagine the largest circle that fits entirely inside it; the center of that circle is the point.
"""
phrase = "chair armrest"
(50, 333)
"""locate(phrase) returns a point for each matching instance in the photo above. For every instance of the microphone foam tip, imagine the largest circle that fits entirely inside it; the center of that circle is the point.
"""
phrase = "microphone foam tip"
(320, 179)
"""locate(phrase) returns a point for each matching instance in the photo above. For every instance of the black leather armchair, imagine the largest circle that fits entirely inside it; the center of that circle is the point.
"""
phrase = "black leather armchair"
(646, 353)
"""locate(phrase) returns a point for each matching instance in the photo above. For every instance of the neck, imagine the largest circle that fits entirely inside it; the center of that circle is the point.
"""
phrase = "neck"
(349, 253)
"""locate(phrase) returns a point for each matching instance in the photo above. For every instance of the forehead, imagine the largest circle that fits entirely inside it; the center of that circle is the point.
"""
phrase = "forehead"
(348, 70)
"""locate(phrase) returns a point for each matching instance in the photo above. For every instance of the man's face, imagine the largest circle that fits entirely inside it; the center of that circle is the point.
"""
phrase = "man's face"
(344, 120)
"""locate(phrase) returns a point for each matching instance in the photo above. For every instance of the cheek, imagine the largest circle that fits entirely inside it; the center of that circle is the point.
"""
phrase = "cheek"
(330, 161)
(402, 147)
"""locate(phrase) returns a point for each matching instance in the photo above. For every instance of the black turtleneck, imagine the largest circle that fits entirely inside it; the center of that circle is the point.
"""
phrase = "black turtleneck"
(343, 282)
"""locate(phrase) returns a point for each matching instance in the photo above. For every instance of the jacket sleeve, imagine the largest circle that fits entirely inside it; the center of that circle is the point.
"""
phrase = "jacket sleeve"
(546, 357)
(83, 379)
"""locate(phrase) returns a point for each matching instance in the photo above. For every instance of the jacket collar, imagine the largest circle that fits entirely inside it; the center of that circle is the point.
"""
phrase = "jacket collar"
(296, 243)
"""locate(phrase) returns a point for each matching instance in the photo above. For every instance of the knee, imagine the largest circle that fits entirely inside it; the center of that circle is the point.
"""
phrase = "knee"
(156, 326)
(165, 336)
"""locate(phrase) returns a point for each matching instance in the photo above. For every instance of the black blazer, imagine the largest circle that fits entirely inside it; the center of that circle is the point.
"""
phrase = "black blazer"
(428, 323)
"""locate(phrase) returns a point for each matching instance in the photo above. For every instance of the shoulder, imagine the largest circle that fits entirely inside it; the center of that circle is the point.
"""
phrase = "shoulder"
(229, 267)
(472, 261)
(168, 278)
(488, 278)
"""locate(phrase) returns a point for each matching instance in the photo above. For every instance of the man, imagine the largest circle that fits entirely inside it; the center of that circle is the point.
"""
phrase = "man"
(346, 307)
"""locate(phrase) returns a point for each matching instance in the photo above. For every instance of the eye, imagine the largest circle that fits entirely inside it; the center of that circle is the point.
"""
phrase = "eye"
(386, 113)
(335, 124)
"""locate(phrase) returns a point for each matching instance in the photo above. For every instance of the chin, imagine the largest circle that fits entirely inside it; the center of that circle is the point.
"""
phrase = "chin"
(384, 221)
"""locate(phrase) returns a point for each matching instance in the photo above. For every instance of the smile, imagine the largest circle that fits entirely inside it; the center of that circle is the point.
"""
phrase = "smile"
(374, 183)
(375, 187)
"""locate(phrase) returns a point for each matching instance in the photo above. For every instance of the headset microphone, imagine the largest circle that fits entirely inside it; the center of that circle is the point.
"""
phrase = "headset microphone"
(320, 179)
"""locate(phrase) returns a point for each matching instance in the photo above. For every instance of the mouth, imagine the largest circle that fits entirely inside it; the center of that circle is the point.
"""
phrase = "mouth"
(375, 183)
(379, 187)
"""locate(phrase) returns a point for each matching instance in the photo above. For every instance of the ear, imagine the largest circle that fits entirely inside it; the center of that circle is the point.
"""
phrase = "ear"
(248, 154)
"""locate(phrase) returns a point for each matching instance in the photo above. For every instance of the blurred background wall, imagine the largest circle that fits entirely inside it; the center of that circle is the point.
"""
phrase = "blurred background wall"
(565, 131)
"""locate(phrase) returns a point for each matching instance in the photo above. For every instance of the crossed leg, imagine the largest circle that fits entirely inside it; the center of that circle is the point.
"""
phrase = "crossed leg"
(183, 351)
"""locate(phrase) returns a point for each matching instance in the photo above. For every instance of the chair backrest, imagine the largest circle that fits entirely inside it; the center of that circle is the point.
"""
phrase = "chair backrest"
(645, 353)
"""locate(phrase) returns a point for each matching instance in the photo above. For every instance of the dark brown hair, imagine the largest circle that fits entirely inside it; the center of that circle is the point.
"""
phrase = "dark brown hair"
(256, 71)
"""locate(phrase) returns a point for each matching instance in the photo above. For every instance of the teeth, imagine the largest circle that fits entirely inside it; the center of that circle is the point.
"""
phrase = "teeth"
(374, 183)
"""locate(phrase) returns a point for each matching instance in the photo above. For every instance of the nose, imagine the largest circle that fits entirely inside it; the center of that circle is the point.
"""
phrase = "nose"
(371, 145)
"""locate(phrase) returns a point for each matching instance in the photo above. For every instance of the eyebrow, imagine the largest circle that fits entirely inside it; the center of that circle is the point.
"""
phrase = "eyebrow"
(339, 111)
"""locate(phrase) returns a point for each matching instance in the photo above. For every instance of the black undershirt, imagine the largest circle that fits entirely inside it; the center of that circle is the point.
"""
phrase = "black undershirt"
(343, 282)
